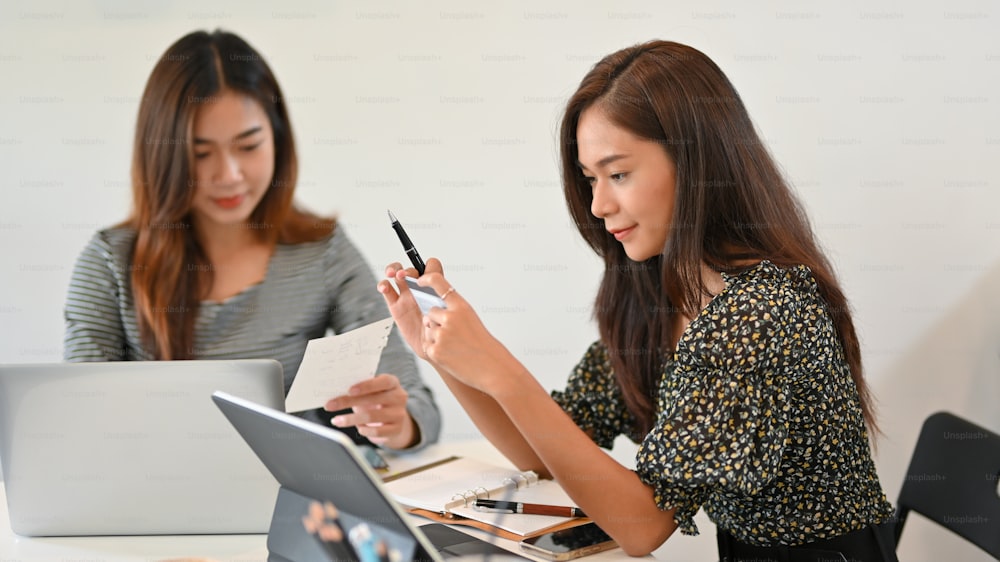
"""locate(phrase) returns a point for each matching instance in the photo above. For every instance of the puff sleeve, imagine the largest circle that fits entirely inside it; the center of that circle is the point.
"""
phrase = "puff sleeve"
(723, 424)
(593, 399)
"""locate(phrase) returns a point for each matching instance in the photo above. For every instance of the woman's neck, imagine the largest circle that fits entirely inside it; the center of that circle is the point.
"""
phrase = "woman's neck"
(237, 259)
(221, 242)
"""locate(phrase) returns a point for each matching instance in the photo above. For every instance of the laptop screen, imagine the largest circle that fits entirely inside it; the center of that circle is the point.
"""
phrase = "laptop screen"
(90, 448)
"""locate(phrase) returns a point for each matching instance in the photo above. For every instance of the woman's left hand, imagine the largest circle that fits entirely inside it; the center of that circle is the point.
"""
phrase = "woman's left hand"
(455, 339)
(379, 412)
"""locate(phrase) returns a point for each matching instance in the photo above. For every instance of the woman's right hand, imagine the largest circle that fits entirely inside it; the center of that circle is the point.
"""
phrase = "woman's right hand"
(403, 306)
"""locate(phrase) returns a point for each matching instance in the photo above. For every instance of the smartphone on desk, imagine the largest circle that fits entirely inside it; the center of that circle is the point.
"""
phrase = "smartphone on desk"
(567, 544)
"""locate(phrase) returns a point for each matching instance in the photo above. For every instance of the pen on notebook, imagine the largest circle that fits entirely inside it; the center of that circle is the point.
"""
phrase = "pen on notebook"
(530, 508)
(411, 251)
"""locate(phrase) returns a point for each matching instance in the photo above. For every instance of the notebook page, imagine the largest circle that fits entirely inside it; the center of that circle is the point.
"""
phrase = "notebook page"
(451, 484)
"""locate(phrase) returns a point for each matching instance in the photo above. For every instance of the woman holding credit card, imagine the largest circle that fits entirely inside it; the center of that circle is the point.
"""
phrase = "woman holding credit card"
(727, 348)
(217, 262)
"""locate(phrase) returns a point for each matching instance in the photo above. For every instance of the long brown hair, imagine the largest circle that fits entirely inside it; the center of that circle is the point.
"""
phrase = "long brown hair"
(169, 276)
(732, 205)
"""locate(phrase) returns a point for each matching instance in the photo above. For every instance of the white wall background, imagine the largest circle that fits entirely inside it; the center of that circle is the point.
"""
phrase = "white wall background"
(885, 117)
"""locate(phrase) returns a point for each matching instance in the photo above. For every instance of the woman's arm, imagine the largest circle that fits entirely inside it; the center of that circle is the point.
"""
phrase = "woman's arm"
(94, 329)
(482, 409)
(611, 494)
(522, 420)
(354, 304)
(493, 422)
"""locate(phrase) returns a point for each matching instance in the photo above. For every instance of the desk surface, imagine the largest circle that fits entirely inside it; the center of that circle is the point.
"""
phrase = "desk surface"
(223, 548)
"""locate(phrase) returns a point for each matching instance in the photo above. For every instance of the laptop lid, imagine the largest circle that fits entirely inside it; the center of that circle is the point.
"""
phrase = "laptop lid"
(315, 463)
(133, 448)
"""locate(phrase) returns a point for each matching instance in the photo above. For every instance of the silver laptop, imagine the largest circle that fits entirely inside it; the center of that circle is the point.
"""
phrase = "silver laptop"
(316, 463)
(133, 448)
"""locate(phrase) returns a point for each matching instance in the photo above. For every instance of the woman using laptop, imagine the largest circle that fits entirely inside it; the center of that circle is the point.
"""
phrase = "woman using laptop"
(217, 262)
(726, 349)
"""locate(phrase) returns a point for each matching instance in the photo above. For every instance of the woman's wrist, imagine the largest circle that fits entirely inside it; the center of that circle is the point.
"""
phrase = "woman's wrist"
(408, 436)
(507, 379)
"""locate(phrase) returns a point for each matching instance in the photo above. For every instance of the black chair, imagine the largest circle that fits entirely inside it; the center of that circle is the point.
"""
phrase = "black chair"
(952, 480)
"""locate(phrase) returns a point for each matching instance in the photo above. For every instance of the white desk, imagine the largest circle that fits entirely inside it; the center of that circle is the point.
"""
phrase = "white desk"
(223, 548)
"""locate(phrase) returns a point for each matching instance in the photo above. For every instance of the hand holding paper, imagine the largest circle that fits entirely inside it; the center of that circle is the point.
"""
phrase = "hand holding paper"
(331, 365)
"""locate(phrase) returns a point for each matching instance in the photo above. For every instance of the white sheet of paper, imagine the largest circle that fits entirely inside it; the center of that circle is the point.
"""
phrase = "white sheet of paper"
(332, 364)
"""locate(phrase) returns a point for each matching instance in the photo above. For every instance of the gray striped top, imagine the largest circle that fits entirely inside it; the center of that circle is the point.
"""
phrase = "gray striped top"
(308, 289)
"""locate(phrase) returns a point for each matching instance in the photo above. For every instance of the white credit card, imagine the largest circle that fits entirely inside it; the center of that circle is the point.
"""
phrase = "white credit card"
(425, 296)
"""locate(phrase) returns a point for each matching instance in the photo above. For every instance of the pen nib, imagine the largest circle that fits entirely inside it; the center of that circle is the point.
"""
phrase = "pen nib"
(392, 217)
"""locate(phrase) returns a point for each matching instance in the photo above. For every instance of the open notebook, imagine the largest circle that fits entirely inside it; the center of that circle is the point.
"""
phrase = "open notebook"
(452, 488)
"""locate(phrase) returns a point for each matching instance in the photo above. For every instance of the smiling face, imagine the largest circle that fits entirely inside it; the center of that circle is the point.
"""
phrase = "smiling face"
(633, 182)
(234, 160)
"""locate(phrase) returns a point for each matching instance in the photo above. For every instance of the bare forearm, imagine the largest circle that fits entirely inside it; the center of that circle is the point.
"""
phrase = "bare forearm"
(610, 493)
(520, 418)
(493, 423)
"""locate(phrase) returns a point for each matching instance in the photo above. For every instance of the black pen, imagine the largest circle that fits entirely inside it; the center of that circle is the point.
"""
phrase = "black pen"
(407, 245)
(530, 508)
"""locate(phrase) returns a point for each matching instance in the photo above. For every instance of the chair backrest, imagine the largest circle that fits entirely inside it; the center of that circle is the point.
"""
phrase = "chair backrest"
(952, 480)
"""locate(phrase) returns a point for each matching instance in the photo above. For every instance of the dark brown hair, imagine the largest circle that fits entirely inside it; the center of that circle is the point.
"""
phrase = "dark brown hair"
(732, 206)
(169, 278)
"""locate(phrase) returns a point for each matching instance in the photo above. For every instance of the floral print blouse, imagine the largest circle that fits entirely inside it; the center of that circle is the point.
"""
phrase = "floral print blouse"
(758, 419)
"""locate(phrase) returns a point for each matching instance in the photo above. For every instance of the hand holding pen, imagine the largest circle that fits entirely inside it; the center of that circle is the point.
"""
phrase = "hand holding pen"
(469, 344)
(425, 297)
(411, 251)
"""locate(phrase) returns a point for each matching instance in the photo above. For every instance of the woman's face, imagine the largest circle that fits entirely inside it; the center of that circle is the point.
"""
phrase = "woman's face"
(633, 182)
(234, 159)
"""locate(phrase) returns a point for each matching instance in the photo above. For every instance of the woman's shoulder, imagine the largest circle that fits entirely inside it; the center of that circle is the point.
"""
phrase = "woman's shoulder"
(756, 312)
(107, 257)
(114, 243)
(762, 295)
(767, 282)
(326, 244)
(117, 235)
(334, 251)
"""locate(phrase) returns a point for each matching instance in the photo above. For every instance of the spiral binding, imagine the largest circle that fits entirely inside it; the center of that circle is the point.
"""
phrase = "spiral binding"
(523, 480)
(469, 496)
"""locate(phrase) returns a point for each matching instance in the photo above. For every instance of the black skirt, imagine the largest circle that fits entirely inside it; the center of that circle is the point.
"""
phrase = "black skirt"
(874, 543)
